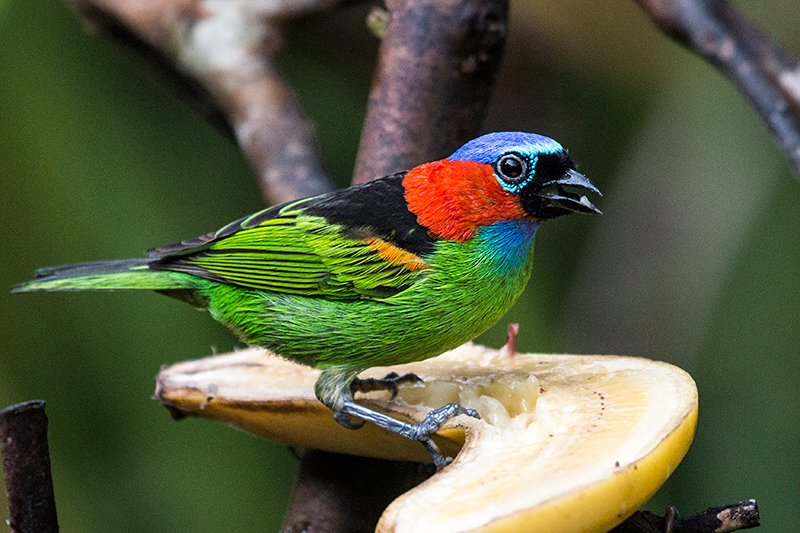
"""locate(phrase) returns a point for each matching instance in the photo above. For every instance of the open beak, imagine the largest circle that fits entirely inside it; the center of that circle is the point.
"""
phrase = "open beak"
(557, 196)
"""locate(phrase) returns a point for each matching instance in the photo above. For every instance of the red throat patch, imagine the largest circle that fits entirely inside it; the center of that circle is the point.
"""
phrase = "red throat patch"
(453, 198)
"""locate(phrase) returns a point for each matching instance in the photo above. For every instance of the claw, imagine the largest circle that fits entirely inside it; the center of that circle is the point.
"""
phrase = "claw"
(389, 383)
(344, 419)
(434, 420)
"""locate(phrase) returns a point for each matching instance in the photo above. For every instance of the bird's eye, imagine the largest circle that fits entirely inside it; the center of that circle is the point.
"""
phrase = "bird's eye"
(512, 169)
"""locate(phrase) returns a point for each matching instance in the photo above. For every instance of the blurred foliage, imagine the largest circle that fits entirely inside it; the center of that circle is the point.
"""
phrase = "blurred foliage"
(696, 260)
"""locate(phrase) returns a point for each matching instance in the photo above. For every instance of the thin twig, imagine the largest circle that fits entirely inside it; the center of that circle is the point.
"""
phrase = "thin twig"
(26, 463)
(436, 68)
(510, 347)
(223, 54)
(723, 519)
(764, 72)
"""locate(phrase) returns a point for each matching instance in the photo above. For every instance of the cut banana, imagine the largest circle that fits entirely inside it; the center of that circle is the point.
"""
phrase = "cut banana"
(565, 443)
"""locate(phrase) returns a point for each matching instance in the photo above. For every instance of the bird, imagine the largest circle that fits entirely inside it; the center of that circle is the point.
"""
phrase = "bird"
(392, 271)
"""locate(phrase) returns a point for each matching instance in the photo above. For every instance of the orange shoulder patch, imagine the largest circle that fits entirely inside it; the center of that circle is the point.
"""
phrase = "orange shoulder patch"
(396, 256)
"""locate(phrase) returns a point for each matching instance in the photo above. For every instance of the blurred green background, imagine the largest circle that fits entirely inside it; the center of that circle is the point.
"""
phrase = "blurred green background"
(696, 260)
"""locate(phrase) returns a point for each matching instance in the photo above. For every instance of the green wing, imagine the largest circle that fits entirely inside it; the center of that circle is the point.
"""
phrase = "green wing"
(288, 250)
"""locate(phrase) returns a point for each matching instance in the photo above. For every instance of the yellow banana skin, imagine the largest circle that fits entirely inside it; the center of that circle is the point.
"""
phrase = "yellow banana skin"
(565, 443)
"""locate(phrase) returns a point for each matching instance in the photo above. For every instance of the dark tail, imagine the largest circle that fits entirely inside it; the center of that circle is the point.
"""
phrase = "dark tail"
(107, 275)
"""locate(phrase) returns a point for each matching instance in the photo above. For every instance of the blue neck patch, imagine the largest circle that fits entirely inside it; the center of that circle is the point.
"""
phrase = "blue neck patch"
(488, 148)
(509, 243)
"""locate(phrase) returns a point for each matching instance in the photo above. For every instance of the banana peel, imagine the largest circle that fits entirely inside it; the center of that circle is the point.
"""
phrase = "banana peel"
(565, 443)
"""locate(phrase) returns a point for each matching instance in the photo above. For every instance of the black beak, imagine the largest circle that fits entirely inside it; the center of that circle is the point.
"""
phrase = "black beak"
(554, 193)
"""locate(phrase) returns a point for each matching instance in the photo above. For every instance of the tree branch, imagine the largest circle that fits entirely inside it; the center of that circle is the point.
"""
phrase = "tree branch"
(436, 67)
(223, 54)
(432, 83)
(337, 492)
(26, 463)
(764, 72)
(723, 519)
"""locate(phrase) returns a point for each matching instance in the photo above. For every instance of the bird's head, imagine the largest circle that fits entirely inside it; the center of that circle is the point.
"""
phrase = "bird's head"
(497, 177)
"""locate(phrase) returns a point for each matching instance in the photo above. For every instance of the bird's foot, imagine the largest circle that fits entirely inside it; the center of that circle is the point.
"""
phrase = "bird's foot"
(420, 432)
(434, 420)
(390, 383)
